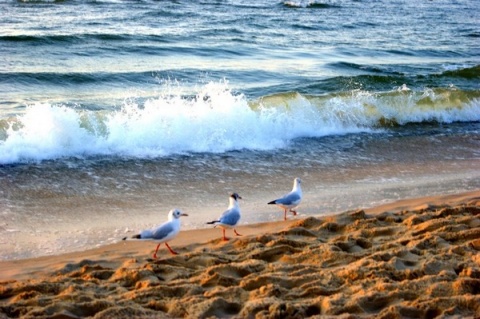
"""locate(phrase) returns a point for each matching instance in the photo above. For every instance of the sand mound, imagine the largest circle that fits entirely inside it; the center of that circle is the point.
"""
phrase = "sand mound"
(423, 263)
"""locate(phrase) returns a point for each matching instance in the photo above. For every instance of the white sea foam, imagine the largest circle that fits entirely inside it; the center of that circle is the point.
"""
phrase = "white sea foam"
(215, 120)
(304, 4)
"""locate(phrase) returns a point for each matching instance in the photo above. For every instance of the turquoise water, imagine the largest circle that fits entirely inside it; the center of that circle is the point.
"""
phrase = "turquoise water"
(113, 112)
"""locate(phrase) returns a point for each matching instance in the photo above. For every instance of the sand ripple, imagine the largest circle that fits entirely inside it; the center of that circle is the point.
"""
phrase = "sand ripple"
(423, 263)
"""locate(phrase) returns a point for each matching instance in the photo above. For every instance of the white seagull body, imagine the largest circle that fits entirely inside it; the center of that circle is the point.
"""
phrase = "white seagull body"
(164, 232)
(290, 200)
(230, 217)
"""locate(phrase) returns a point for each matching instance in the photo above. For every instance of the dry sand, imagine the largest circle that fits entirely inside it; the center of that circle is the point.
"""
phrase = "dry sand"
(415, 258)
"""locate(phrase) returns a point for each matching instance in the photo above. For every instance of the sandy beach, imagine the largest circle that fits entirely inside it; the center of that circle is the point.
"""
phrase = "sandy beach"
(415, 258)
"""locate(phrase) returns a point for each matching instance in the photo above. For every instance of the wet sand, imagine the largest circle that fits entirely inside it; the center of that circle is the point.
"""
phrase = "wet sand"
(415, 258)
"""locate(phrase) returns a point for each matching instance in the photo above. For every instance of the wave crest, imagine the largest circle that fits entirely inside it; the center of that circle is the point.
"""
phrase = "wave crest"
(217, 120)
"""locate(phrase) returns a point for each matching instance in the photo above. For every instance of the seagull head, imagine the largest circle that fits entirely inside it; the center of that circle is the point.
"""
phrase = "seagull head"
(235, 196)
(175, 214)
(297, 182)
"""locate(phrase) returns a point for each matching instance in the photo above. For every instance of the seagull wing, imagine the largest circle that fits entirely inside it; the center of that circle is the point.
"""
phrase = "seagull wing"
(292, 198)
(164, 231)
(230, 217)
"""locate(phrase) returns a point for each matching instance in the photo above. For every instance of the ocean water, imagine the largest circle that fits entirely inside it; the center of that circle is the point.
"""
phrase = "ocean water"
(112, 112)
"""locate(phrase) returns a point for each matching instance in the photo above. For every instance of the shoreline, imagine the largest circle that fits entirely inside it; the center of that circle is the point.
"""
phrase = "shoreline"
(413, 244)
(188, 237)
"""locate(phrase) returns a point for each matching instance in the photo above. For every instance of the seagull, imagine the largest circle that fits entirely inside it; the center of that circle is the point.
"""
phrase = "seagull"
(290, 200)
(163, 233)
(230, 217)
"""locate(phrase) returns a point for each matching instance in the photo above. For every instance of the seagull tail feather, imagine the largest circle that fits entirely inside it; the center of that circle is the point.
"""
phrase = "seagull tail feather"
(272, 202)
(212, 222)
(138, 236)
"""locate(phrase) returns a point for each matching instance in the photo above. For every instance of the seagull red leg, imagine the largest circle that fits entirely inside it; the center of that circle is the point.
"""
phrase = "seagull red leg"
(285, 215)
(224, 237)
(235, 231)
(171, 250)
(156, 250)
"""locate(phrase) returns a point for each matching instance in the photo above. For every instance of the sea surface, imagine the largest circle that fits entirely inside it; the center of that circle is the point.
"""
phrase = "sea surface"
(113, 112)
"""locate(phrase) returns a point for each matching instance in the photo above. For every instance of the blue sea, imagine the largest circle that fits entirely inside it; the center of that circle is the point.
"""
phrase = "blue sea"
(112, 112)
